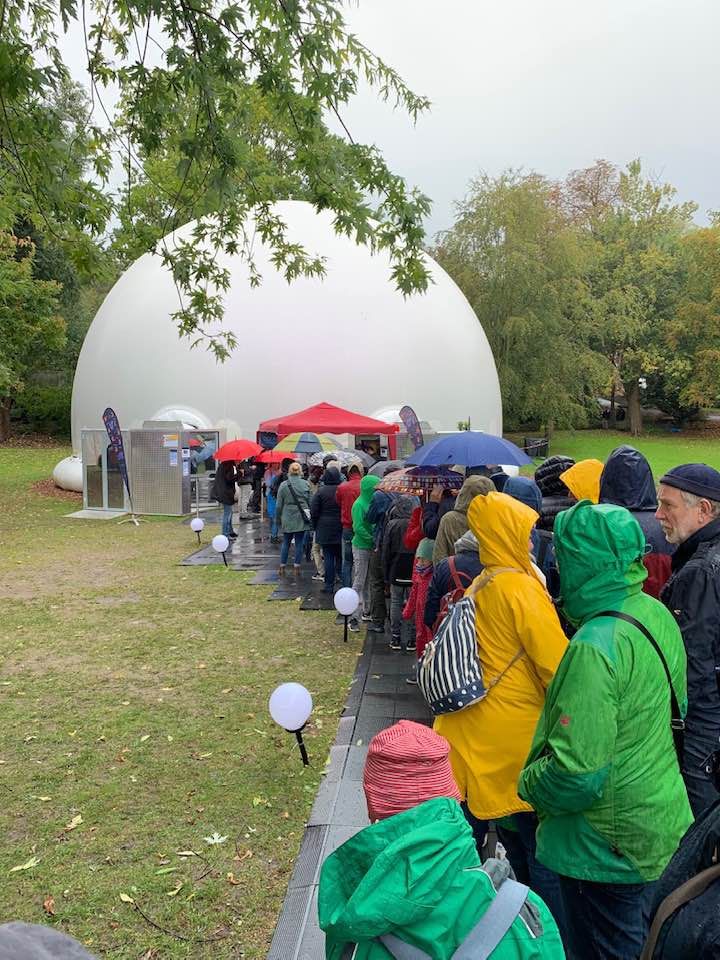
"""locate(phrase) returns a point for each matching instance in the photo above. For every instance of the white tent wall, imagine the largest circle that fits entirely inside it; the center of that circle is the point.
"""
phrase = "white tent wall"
(350, 339)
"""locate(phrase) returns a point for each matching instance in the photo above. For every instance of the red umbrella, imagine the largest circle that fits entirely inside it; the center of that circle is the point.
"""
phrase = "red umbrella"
(274, 456)
(238, 450)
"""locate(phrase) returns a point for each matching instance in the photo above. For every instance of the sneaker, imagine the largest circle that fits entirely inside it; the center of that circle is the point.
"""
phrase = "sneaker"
(296, 569)
(319, 577)
(354, 626)
(375, 628)
(395, 643)
(410, 646)
(366, 618)
(281, 569)
(412, 680)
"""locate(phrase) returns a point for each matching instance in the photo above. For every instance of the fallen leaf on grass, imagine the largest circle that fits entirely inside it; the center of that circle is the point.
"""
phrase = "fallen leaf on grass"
(231, 878)
(28, 865)
(186, 853)
(43, 799)
(202, 756)
(49, 905)
(165, 870)
(126, 899)
(175, 890)
(144, 738)
(74, 823)
(246, 856)
(285, 815)
(214, 839)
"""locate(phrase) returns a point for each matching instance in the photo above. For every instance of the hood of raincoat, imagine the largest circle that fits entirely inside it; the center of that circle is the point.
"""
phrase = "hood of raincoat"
(525, 490)
(467, 543)
(471, 488)
(627, 480)
(502, 526)
(402, 508)
(331, 477)
(394, 873)
(583, 480)
(367, 488)
(599, 550)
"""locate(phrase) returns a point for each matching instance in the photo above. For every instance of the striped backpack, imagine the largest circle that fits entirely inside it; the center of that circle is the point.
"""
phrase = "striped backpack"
(450, 674)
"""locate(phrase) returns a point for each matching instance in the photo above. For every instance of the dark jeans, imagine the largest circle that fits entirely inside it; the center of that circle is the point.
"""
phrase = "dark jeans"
(347, 558)
(700, 790)
(299, 544)
(605, 921)
(520, 847)
(376, 586)
(332, 558)
(227, 519)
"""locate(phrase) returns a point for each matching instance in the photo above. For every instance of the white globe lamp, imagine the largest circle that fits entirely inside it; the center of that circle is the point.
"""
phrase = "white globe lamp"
(346, 602)
(220, 543)
(197, 525)
(290, 706)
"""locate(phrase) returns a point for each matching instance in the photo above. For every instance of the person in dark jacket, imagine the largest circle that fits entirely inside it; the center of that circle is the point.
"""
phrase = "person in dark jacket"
(556, 496)
(327, 523)
(223, 490)
(689, 513)
(466, 563)
(379, 505)
(627, 481)
(440, 502)
(397, 564)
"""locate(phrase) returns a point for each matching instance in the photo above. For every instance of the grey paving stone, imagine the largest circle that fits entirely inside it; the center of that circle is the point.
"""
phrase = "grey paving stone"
(312, 945)
(325, 801)
(355, 763)
(366, 728)
(336, 765)
(307, 864)
(376, 705)
(290, 927)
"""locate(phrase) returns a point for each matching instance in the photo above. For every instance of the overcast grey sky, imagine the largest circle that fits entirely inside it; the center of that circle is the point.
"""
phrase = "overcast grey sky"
(549, 85)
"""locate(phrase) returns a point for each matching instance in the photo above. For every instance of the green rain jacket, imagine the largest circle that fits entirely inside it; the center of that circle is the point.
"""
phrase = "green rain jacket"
(602, 772)
(362, 530)
(418, 875)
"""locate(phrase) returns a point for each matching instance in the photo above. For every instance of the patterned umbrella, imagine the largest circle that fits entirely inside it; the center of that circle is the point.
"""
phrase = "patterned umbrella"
(305, 443)
(344, 457)
(419, 480)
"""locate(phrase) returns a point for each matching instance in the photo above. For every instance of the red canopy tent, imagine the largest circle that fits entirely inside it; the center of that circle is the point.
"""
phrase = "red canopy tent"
(326, 418)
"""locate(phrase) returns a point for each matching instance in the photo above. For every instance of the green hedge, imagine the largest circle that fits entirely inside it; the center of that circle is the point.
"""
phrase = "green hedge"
(44, 409)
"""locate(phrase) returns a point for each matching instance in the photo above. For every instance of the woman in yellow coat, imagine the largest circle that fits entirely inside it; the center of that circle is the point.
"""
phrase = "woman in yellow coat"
(514, 615)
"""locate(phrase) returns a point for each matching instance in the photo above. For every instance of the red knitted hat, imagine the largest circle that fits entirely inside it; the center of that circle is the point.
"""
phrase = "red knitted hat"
(406, 764)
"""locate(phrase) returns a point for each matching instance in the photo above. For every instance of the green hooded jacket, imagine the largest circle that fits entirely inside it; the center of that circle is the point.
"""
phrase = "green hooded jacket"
(418, 875)
(602, 772)
(362, 530)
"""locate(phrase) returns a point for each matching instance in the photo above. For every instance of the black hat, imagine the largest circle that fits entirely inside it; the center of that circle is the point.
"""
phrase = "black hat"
(697, 478)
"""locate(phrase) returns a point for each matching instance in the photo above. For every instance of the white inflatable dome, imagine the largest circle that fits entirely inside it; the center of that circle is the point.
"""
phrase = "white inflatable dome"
(350, 339)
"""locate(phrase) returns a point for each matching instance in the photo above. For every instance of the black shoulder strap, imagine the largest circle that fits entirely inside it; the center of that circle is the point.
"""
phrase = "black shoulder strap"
(676, 717)
(294, 495)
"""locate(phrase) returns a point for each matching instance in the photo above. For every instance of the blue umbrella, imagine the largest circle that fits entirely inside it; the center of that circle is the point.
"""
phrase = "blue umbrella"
(468, 448)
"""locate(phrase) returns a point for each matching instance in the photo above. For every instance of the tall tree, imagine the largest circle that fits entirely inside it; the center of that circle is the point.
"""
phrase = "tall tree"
(634, 277)
(521, 265)
(233, 95)
(30, 322)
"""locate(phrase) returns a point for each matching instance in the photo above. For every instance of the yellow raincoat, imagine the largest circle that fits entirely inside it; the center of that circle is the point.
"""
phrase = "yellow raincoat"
(490, 741)
(583, 479)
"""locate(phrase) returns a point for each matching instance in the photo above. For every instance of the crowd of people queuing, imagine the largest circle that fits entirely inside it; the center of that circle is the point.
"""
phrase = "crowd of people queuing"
(597, 611)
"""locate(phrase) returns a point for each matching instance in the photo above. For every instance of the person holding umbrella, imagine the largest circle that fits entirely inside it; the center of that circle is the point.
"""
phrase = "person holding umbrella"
(223, 490)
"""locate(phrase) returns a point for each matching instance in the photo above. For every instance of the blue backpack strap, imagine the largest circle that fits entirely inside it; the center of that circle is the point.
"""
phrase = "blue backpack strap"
(401, 950)
(494, 923)
(484, 937)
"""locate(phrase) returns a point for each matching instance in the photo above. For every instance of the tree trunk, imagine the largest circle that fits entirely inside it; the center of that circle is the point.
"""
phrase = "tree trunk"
(549, 430)
(5, 404)
(612, 417)
(632, 392)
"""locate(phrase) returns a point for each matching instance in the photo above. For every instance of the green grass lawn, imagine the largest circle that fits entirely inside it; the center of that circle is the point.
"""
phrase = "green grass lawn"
(134, 715)
(663, 450)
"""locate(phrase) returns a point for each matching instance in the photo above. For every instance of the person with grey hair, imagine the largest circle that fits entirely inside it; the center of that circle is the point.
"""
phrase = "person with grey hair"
(689, 513)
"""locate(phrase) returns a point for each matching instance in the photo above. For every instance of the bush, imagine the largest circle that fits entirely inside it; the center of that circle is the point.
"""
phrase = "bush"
(44, 409)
